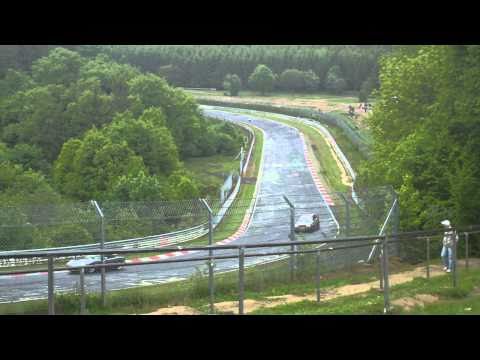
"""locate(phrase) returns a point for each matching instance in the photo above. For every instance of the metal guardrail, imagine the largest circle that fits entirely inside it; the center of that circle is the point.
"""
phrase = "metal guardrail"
(383, 240)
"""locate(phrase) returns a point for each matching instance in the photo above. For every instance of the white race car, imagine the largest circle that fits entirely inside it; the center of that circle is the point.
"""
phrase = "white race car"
(87, 260)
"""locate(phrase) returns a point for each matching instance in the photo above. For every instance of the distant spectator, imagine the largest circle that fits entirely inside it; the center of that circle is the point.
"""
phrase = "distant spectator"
(449, 239)
(351, 111)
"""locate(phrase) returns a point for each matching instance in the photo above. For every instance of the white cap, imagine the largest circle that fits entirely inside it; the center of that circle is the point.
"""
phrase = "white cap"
(446, 223)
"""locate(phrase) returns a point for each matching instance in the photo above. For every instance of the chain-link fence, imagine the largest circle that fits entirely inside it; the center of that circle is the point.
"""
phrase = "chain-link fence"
(162, 223)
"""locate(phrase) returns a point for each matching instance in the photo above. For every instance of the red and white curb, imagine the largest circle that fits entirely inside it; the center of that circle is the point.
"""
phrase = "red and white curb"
(320, 187)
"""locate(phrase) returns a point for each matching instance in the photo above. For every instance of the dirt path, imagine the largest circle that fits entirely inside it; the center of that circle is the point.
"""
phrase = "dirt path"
(231, 307)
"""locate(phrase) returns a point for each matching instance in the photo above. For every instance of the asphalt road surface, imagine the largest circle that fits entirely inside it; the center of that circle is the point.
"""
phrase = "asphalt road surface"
(284, 172)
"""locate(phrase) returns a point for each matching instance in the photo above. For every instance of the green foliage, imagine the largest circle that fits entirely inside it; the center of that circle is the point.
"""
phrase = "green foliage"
(334, 81)
(142, 120)
(182, 186)
(298, 81)
(426, 130)
(206, 66)
(86, 169)
(232, 84)
(262, 79)
(140, 187)
(13, 82)
(148, 137)
(30, 157)
(61, 66)
(366, 89)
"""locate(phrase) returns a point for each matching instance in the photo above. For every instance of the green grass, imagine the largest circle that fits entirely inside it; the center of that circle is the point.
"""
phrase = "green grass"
(212, 171)
(234, 218)
(350, 97)
(260, 282)
(452, 301)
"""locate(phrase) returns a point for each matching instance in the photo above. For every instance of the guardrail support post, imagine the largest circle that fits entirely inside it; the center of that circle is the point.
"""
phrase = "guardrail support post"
(380, 267)
(51, 287)
(82, 291)
(466, 250)
(317, 275)
(241, 279)
(211, 288)
(347, 215)
(428, 257)
(454, 258)
(293, 264)
(386, 285)
(102, 246)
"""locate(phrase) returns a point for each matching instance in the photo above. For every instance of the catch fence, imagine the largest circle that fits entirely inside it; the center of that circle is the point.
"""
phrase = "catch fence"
(137, 225)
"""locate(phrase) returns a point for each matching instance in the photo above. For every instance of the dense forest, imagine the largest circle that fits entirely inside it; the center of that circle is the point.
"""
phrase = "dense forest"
(74, 128)
(427, 134)
(331, 68)
(84, 128)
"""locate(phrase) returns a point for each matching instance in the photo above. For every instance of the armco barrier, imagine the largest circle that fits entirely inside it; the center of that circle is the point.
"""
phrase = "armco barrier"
(328, 118)
(162, 240)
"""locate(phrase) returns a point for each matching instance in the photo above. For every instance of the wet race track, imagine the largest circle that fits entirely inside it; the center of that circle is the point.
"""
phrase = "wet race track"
(284, 171)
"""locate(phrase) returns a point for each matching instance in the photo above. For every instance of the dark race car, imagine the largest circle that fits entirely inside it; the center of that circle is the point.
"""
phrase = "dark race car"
(307, 223)
(76, 264)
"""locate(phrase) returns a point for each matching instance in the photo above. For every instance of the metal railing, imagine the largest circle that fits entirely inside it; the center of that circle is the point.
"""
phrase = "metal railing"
(240, 255)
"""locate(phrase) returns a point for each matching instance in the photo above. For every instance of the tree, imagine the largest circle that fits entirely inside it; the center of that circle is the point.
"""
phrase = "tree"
(172, 73)
(426, 130)
(366, 89)
(97, 163)
(13, 82)
(334, 81)
(30, 157)
(182, 186)
(232, 84)
(297, 80)
(149, 138)
(61, 66)
(262, 79)
(139, 187)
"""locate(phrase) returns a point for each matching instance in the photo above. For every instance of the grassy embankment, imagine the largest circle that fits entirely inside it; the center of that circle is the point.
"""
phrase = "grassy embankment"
(272, 280)
(234, 218)
(260, 282)
(422, 296)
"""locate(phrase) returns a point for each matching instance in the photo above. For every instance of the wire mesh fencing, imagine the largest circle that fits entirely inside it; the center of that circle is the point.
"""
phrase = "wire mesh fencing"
(162, 223)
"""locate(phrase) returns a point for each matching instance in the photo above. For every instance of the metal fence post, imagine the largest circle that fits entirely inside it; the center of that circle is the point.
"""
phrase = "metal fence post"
(241, 280)
(317, 275)
(466, 250)
(380, 266)
(51, 287)
(82, 291)
(102, 246)
(211, 289)
(347, 215)
(454, 259)
(386, 285)
(428, 258)
(293, 264)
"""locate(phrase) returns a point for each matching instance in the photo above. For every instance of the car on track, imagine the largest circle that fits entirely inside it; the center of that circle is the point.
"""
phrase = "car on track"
(307, 223)
(89, 260)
